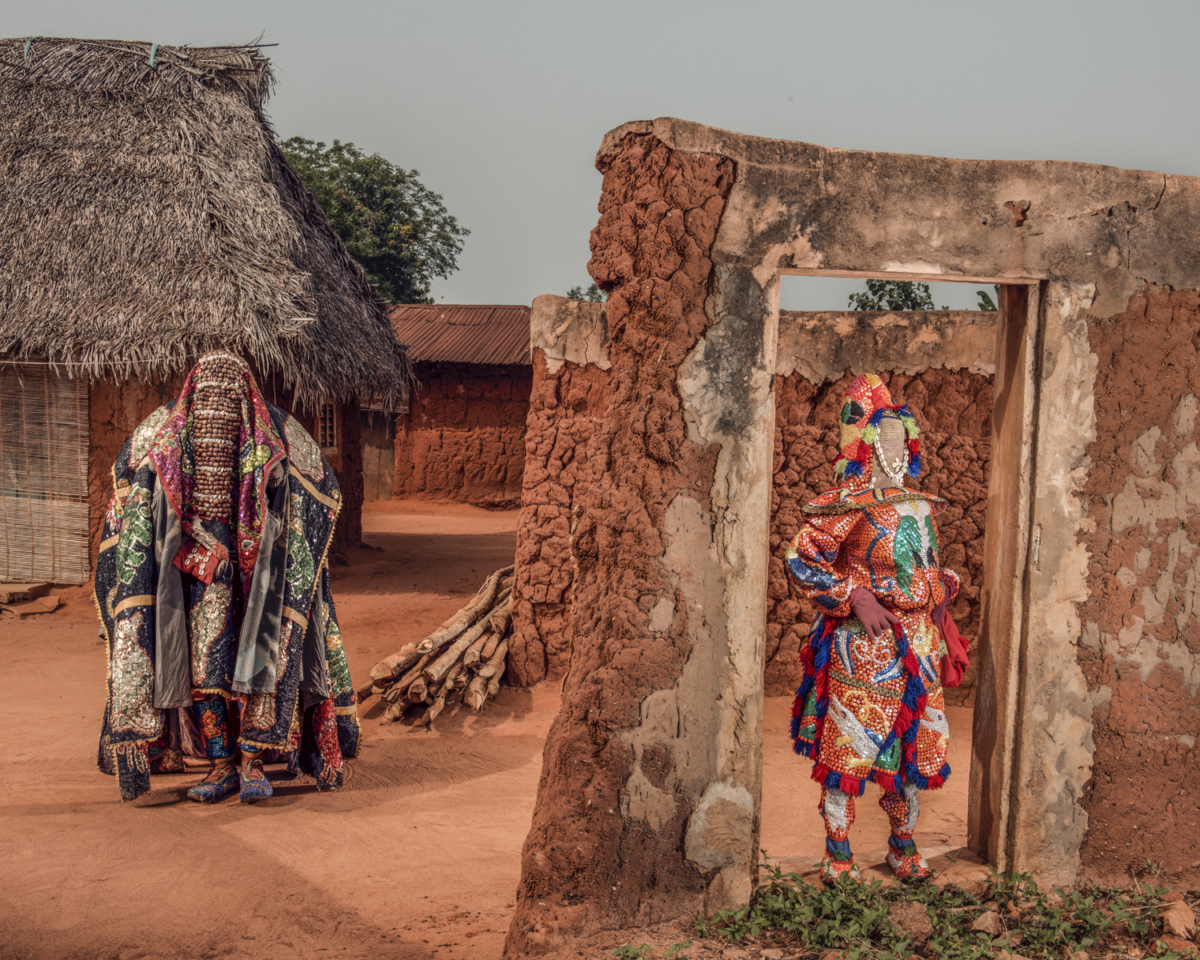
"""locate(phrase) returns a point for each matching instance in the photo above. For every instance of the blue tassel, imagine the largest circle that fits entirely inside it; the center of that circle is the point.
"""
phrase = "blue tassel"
(877, 417)
(914, 465)
(853, 469)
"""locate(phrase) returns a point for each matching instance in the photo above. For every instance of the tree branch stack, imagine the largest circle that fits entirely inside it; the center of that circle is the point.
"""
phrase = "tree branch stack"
(464, 658)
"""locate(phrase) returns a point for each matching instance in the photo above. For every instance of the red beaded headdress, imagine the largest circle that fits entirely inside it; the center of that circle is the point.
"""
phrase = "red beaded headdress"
(867, 400)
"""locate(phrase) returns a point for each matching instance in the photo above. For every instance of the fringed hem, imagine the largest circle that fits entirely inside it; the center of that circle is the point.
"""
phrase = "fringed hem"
(815, 658)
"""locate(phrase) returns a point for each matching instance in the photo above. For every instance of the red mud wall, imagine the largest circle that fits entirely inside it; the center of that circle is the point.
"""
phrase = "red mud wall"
(1141, 641)
(953, 409)
(584, 866)
(565, 409)
(464, 435)
(954, 412)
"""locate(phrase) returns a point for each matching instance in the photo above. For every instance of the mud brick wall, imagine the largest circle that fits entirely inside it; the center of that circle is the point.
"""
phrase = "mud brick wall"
(1140, 649)
(463, 437)
(565, 408)
(953, 409)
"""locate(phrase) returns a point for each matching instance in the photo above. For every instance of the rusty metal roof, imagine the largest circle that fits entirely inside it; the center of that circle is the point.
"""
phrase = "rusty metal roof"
(463, 333)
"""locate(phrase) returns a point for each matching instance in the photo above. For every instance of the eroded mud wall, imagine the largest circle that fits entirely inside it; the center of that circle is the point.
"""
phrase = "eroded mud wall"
(463, 437)
(565, 408)
(606, 847)
(1140, 649)
(953, 409)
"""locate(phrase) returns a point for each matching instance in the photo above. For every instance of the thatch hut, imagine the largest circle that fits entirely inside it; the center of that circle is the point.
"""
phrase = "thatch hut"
(147, 215)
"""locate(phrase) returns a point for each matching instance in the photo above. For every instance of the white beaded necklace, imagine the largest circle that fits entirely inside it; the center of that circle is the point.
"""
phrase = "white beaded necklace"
(896, 469)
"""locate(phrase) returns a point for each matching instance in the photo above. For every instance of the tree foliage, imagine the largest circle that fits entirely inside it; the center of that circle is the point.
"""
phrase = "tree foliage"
(890, 295)
(592, 294)
(399, 231)
(893, 295)
(985, 299)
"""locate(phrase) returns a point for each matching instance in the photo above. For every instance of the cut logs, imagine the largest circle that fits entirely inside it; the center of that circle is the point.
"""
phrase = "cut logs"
(464, 658)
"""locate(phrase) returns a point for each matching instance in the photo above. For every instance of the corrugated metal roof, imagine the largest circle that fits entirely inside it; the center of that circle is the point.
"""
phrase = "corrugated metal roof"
(463, 333)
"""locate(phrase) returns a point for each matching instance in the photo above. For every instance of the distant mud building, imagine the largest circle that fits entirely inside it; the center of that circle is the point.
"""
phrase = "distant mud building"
(462, 435)
(146, 216)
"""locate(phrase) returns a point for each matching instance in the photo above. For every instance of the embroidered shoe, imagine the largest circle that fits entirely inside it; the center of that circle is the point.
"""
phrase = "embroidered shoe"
(908, 866)
(255, 785)
(220, 783)
(169, 761)
(832, 869)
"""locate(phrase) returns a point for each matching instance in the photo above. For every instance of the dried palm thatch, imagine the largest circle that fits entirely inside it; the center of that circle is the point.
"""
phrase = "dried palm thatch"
(147, 215)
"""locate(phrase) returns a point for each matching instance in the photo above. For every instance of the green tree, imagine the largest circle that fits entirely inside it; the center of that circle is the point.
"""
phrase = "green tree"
(893, 295)
(399, 231)
(985, 299)
(592, 294)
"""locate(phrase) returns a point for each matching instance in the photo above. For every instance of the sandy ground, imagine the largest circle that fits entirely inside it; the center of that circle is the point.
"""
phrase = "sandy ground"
(416, 857)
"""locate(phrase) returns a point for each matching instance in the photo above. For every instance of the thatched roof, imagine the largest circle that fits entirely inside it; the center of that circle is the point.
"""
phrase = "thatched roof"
(147, 214)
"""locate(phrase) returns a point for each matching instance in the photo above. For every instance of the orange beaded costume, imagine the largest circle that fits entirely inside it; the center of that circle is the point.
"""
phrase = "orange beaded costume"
(872, 710)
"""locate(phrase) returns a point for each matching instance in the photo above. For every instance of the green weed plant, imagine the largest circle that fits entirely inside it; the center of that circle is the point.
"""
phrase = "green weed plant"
(853, 917)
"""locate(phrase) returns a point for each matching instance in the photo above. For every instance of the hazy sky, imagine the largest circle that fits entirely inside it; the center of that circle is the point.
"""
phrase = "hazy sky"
(501, 106)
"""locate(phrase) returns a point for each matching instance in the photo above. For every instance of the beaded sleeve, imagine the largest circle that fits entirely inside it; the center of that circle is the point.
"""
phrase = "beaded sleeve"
(813, 561)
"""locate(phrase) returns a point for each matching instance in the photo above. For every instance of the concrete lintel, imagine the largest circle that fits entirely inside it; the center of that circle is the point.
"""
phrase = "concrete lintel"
(800, 207)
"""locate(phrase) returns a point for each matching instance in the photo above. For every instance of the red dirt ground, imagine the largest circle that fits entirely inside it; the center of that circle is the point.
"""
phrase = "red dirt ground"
(416, 858)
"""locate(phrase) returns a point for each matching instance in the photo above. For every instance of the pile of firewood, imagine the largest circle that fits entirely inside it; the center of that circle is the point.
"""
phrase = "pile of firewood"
(465, 657)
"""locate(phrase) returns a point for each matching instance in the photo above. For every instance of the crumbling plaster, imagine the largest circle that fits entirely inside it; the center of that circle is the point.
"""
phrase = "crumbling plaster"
(822, 345)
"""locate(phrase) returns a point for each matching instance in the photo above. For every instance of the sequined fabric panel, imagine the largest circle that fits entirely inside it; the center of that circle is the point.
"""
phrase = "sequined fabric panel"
(889, 549)
(145, 433)
(866, 687)
(132, 710)
(303, 450)
(214, 642)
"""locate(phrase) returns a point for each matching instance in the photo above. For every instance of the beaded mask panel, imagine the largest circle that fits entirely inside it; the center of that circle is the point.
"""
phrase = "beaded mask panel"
(217, 415)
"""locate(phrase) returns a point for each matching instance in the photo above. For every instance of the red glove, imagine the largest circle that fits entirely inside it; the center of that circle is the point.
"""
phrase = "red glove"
(875, 617)
(948, 594)
(958, 654)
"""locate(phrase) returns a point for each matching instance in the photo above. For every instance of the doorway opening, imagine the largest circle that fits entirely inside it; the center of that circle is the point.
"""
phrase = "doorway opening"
(942, 363)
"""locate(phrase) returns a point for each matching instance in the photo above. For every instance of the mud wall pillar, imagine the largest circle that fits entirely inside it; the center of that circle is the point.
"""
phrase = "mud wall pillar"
(648, 803)
(568, 400)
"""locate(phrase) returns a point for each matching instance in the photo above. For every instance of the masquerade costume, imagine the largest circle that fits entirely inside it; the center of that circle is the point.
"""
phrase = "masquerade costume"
(872, 709)
(214, 594)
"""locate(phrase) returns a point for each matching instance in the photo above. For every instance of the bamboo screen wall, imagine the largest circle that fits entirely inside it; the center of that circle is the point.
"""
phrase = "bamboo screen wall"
(43, 475)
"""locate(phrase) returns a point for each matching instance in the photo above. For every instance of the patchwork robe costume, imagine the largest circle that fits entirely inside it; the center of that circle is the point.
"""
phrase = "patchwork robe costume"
(872, 710)
(212, 593)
